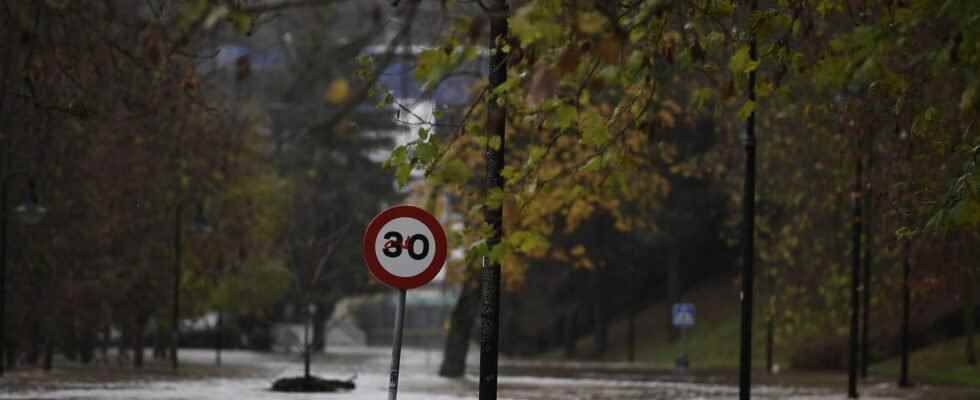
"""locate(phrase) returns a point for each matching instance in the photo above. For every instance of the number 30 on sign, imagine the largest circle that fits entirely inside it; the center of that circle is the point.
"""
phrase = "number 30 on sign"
(404, 247)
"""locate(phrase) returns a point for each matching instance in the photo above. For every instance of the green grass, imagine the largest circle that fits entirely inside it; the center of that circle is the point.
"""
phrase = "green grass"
(713, 343)
(943, 363)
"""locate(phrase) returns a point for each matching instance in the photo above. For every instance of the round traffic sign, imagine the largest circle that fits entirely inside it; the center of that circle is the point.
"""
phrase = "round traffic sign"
(404, 247)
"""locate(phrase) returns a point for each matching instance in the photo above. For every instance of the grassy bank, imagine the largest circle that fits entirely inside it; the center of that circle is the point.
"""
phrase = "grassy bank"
(943, 363)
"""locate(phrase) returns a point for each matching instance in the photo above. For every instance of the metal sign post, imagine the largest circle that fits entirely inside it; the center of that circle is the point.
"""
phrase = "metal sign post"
(683, 318)
(396, 348)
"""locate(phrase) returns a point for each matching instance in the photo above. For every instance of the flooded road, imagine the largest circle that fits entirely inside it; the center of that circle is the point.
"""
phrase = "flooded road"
(369, 367)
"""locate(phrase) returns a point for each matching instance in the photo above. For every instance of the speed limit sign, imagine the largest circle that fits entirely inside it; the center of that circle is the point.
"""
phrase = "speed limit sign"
(404, 247)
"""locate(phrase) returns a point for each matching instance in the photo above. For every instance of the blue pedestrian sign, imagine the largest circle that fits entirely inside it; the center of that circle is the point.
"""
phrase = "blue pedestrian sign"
(683, 314)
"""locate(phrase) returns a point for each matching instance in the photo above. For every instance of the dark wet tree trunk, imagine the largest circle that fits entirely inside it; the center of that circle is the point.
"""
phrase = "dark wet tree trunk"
(856, 230)
(600, 338)
(37, 344)
(86, 345)
(122, 352)
(969, 315)
(600, 334)
(631, 337)
(104, 342)
(460, 330)
(320, 318)
(673, 294)
(139, 342)
(868, 258)
(770, 339)
(631, 323)
(48, 353)
(903, 380)
(570, 334)
(159, 342)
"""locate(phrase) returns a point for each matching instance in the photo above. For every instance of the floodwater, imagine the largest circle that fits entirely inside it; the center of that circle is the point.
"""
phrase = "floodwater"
(418, 381)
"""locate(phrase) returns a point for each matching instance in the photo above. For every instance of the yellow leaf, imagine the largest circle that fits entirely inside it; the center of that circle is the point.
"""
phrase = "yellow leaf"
(590, 22)
(337, 92)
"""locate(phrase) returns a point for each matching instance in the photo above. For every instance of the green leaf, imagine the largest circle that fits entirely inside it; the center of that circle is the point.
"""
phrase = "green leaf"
(747, 109)
(454, 172)
(402, 174)
(701, 96)
(495, 198)
(966, 212)
(397, 157)
(498, 252)
(741, 62)
(426, 152)
(969, 97)
(593, 165)
(242, 21)
(493, 142)
(528, 241)
(594, 129)
(423, 134)
(510, 172)
(565, 116)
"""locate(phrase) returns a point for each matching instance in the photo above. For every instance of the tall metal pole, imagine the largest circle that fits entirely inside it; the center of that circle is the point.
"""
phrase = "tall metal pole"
(903, 380)
(396, 347)
(175, 317)
(852, 365)
(748, 235)
(490, 277)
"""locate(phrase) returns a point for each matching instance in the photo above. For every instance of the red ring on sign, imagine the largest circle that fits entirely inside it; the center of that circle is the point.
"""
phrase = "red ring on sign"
(374, 229)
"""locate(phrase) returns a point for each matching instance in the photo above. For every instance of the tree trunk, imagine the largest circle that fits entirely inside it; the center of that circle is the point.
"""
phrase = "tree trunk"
(218, 330)
(122, 352)
(320, 319)
(37, 344)
(903, 380)
(969, 316)
(673, 294)
(569, 333)
(631, 337)
(139, 342)
(86, 345)
(48, 354)
(868, 258)
(104, 342)
(600, 336)
(159, 341)
(770, 339)
(852, 363)
(460, 328)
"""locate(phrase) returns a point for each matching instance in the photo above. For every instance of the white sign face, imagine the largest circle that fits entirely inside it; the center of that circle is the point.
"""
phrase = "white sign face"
(405, 247)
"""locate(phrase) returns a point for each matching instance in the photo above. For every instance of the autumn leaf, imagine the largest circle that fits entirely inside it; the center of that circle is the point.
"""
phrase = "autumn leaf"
(337, 92)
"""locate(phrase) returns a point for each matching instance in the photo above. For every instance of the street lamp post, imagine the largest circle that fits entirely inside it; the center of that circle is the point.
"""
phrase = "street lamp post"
(199, 224)
(31, 212)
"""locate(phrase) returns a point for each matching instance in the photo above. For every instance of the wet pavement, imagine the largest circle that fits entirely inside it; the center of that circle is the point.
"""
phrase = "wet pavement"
(418, 380)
